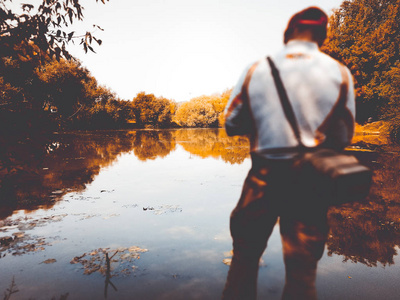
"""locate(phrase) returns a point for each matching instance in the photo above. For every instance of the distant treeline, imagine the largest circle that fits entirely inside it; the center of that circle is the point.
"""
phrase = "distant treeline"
(43, 87)
(158, 112)
(47, 93)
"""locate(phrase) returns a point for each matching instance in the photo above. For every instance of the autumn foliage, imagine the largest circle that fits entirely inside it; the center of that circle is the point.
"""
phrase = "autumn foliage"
(365, 35)
(41, 89)
(204, 111)
(151, 111)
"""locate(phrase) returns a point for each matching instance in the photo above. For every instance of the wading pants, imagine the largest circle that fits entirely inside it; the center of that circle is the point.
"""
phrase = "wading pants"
(272, 191)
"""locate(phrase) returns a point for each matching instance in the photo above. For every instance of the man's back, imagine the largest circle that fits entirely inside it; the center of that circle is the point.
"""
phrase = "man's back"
(313, 82)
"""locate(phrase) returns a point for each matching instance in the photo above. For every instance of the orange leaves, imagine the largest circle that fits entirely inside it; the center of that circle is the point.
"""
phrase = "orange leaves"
(152, 111)
(203, 111)
(365, 36)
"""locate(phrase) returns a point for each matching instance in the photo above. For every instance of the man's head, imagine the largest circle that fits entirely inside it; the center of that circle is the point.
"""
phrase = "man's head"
(311, 20)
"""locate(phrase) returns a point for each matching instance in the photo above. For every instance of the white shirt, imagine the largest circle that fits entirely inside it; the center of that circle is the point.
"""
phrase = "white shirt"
(313, 81)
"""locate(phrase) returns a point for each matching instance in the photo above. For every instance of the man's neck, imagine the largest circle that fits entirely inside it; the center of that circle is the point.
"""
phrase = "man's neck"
(305, 35)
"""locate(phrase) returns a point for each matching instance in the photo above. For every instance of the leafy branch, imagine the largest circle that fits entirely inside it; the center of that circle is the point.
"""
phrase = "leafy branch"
(44, 27)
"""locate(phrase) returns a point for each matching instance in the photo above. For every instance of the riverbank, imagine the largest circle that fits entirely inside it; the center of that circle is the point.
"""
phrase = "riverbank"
(372, 133)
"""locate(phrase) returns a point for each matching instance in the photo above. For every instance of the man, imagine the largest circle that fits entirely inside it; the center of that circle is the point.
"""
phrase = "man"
(314, 83)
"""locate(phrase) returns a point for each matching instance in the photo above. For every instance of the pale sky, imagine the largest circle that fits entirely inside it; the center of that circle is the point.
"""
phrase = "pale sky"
(180, 49)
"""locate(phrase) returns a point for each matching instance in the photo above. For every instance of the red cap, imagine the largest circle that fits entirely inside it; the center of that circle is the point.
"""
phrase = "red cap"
(312, 17)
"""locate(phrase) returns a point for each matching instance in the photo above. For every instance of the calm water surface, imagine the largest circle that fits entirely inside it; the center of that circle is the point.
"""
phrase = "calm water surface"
(145, 215)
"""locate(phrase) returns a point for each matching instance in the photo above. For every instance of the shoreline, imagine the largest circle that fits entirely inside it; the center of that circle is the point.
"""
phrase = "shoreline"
(372, 133)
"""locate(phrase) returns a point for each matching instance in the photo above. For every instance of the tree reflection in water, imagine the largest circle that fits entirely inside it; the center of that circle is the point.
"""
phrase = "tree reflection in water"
(152, 144)
(38, 172)
(369, 232)
(214, 143)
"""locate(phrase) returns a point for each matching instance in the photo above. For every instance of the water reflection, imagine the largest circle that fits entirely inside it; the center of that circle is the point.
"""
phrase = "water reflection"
(369, 232)
(109, 262)
(38, 172)
(214, 143)
(152, 144)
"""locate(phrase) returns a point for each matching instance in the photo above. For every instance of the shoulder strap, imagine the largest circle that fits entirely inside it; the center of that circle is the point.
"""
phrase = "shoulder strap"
(287, 107)
(341, 102)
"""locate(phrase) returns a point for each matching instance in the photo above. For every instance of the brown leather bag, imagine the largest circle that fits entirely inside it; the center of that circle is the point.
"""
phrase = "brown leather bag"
(338, 176)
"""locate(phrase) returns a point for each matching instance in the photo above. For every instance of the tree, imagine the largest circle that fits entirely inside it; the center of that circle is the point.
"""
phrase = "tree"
(203, 111)
(365, 34)
(64, 85)
(113, 113)
(29, 40)
(45, 27)
(152, 111)
(18, 72)
(20, 100)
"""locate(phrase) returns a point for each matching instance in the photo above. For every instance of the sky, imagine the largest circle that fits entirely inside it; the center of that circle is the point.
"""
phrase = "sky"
(181, 49)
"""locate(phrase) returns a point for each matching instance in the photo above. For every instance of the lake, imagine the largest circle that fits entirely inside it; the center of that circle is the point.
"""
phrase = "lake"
(144, 214)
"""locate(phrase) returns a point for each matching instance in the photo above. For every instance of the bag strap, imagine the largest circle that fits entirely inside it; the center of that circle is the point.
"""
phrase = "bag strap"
(341, 102)
(286, 105)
